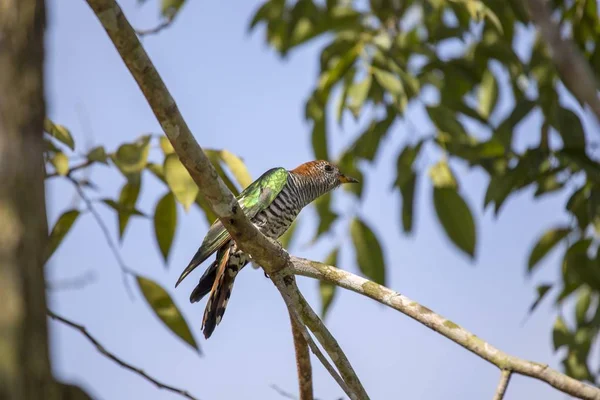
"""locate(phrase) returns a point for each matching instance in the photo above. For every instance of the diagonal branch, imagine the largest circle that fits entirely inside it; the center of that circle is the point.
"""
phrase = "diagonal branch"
(122, 363)
(444, 327)
(573, 68)
(268, 254)
(303, 365)
(502, 385)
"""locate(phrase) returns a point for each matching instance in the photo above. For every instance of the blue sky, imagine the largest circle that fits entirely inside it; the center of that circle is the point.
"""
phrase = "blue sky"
(235, 93)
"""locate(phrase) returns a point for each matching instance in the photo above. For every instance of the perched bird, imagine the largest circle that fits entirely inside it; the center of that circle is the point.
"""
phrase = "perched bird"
(272, 203)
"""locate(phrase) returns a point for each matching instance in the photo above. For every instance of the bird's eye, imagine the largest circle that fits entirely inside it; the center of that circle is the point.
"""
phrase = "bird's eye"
(328, 168)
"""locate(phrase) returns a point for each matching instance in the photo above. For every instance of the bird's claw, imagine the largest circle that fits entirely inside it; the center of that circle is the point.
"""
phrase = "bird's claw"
(266, 275)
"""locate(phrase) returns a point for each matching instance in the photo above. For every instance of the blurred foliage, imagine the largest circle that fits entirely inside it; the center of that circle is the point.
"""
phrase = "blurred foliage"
(381, 57)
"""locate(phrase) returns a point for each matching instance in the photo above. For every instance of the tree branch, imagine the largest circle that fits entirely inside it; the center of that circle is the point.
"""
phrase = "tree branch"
(573, 68)
(122, 363)
(111, 244)
(444, 327)
(305, 385)
(502, 385)
(265, 252)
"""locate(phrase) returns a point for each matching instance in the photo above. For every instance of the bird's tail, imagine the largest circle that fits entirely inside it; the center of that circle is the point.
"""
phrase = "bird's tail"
(225, 271)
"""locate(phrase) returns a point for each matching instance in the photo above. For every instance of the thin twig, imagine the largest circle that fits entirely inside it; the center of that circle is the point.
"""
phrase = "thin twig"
(283, 393)
(443, 326)
(305, 384)
(303, 314)
(122, 363)
(574, 69)
(76, 283)
(315, 349)
(163, 25)
(75, 168)
(502, 385)
(125, 270)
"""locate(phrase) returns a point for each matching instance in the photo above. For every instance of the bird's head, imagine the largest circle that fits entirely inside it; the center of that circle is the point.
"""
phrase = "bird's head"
(323, 172)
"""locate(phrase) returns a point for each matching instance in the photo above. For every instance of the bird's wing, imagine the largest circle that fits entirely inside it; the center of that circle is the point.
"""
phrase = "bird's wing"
(254, 199)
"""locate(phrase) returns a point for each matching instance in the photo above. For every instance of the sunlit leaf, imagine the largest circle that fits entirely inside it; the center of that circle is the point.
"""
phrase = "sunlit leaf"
(131, 158)
(237, 168)
(389, 81)
(488, 94)
(441, 175)
(327, 289)
(358, 94)
(60, 133)
(545, 244)
(561, 335)
(163, 306)
(170, 8)
(59, 231)
(61, 163)
(166, 146)
(456, 218)
(215, 158)
(165, 222)
(333, 75)
(583, 305)
(369, 255)
(179, 180)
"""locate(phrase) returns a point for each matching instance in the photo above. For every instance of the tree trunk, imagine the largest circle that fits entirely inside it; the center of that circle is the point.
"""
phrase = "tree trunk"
(25, 372)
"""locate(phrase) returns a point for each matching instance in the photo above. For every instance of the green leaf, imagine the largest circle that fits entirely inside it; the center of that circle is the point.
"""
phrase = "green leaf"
(358, 94)
(404, 164)
(170, 8)
(131, 158)
(97, 154)
(326, 216)
(327, 289)
(61, 163)
(179, 180)
(237, 168)
(369, 254)
(215, 158)
(332, 76)
(319, 139)
(389, 81)
(545, 244)
(163, 306)
(583, 305)
(561, 336)
(407, 191)
(166, 146)
(165, 222)
(488, 94)
(60, 133)
(121, 209)
(445, 120)
(127, 199)
(542, 290)
(456, 218)
(442, 177)
(60, 230)
(367, 144)
(570, 129)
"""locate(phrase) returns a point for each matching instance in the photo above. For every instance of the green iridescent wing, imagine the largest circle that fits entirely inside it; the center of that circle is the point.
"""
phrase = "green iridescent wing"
(254, 199)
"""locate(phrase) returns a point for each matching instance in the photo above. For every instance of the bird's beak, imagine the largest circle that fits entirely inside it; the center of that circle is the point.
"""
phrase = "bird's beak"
(347, 179)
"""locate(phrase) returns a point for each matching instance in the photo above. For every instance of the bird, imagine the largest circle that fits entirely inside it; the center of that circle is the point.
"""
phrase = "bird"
(272, 203)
